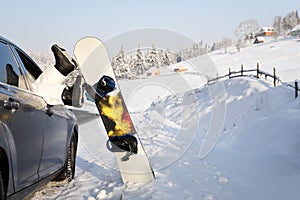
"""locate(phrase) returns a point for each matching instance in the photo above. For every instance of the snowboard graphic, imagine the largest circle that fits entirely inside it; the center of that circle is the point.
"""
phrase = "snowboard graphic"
(101, 86)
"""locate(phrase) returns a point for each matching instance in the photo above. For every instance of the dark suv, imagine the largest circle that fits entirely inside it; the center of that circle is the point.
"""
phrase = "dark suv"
(38, 141)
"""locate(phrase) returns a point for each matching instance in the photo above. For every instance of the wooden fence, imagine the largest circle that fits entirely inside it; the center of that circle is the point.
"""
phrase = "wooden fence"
(255, 73)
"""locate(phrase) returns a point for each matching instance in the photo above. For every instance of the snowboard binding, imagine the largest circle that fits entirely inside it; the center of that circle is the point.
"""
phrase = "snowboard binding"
(123, 143)
(105, 85)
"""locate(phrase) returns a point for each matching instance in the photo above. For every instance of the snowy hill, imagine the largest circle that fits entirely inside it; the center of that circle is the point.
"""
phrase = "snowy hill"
(257, 152)
(283, 54)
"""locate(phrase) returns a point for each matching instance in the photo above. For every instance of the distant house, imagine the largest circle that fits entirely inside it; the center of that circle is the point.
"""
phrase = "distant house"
(180, 69)
(259, 39)
(295, 31)
(266, 31)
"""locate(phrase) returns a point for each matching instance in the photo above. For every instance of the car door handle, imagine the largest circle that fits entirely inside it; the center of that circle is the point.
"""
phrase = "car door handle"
(11, 104)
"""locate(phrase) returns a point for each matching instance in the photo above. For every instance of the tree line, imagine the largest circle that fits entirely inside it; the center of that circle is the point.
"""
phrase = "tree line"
(146, 61)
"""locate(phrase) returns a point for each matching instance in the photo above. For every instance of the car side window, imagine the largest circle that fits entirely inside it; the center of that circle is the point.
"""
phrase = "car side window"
(32, 70)
(9, 71)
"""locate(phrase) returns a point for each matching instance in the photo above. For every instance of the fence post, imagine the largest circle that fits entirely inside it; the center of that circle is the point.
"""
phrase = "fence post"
(229, 72)
(242, 67)
(257, 70)
(296, 88)
(274, 74)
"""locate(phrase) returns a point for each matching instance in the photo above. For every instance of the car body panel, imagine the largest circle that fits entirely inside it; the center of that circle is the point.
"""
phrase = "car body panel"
(34, 135)
(25, 126)
(55, 142)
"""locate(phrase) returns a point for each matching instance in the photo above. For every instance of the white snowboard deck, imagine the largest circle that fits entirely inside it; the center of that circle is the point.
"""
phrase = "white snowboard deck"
(92, 57)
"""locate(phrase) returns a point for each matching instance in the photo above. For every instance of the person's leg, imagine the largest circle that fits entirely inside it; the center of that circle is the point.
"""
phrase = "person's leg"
(51, 83)
(63, 61)
(49, 86)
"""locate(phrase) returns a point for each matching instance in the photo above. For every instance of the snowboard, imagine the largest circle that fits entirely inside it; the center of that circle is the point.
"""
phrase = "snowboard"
(94, 63)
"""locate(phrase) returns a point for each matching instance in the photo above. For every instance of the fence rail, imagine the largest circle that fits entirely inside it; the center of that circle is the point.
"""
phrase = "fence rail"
(243, 73)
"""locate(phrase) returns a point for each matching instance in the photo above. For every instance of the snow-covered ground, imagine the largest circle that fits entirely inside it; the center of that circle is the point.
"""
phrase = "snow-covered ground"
(256, 156)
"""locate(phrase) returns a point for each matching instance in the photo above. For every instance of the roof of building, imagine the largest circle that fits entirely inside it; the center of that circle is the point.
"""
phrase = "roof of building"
(296, 28)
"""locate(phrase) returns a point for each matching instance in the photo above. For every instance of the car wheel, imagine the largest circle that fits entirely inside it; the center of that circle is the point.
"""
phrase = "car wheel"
(69, 168)
(2, 193)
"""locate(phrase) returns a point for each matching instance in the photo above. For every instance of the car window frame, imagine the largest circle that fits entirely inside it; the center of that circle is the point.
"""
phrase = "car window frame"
(22, 68)
(13, 50)
(17, 67)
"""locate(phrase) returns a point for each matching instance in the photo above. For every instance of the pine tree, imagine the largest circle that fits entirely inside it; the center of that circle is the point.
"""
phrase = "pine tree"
(277, 26)
(153, 57)
(297, 16)
(194, 50)
(170, 57)
(164, 58)
(290, 21)
(120, 65)
(138, 63)
(206, 48)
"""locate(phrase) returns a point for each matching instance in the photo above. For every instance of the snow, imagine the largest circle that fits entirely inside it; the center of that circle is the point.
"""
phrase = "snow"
(296, 28)
(252, 152)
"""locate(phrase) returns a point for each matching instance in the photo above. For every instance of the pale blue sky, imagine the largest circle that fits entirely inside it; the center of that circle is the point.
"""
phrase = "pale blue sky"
(36, 24)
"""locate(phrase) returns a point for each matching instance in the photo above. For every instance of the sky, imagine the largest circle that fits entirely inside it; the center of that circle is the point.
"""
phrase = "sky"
(35, 25)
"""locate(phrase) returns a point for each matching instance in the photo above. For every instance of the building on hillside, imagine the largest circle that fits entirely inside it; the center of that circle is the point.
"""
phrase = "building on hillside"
(295, 31)
(180, 69)
(259, 39)
(266, 31)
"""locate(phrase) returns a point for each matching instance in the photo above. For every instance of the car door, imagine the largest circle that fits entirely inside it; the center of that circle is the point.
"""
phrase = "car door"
(22, 113)
(55, 142)
(56, 124)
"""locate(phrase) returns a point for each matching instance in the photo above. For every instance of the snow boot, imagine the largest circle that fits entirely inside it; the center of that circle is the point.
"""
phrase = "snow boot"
(63, 62)
(126, 143)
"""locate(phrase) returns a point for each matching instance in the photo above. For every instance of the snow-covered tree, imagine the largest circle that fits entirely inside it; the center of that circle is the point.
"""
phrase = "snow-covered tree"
(120, 66)
(202, 49)
(226, 42)
(164, 58)
(138, 62)
(290, 21)
(245, 29)
(196, 49)
(277, 26)
(153, 57)
(44, 59)
(206, 48)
